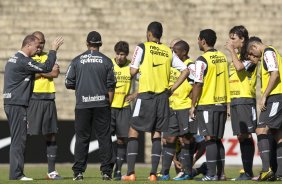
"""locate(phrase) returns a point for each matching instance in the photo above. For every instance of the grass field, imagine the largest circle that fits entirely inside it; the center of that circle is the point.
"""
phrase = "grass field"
(92, 174)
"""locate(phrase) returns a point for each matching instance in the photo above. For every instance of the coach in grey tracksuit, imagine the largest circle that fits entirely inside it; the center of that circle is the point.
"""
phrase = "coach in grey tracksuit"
(91, 75)
(18, 85)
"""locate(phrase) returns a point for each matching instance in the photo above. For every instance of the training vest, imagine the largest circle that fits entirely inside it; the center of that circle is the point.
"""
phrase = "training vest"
(242, 83)
(180, 97)
(155, 68)
(123, 84)
(265, 74)
(216, 85)
(42, 84)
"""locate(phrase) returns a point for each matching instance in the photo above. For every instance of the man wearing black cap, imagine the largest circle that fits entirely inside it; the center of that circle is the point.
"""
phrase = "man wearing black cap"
(91, 75)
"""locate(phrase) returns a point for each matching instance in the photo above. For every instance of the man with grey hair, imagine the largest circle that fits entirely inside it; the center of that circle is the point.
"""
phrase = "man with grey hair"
(18, 81)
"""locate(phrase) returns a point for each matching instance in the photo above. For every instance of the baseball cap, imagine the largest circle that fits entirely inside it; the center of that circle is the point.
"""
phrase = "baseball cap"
(94, 37)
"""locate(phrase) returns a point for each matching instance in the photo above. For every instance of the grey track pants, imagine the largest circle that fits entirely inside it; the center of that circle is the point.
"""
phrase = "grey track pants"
(16, 116)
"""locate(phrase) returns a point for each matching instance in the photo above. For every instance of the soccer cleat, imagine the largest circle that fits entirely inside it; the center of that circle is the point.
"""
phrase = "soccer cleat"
(158, 174)
(78, 177)
(117, 176)
(243, 176)
(183, 177)
(53, 176)
(163, 177)
(209, 178)
(221, 177)
(131, 177)
(279, 178)
(255, 178)
(153, 178)
(24, 178)
(266, 176)
(106, 176)
(178, 175)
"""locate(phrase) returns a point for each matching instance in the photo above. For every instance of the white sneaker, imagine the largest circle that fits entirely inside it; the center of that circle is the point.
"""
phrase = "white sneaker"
(24, 178)
(53, 176)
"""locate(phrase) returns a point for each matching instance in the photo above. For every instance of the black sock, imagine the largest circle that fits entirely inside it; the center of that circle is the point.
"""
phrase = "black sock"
(247, 154)
(187, 161)
(263, 146)
(220, 158)
(169, 150)
(51, 155)
(195, 172)
(273, 153)
(132, 152)
(181, 157)
(121, 151)
(211, 156)
(156, 154)
(279, 159)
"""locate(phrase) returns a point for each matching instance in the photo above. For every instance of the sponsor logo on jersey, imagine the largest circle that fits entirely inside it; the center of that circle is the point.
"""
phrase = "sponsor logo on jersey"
(7, 95)
(220, 99)
(93, 98)
(154, 50)
(34, 66)
(134, 55)
(88, 58)
(119, 86)
(231, 74)
(13, 59)
(235, 92)
(217, 59)
(155, 65)
(218, 74)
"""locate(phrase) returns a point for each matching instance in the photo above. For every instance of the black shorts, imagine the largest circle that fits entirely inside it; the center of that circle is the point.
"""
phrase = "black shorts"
(211, 121)
(120, 118)
(179, 124)
(151, 112)
(42, 117)
(243, 118)
(272, 116)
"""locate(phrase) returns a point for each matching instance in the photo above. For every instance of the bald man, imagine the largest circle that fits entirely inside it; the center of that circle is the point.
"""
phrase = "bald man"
(42, 112)
(179, 125)
(173, 42)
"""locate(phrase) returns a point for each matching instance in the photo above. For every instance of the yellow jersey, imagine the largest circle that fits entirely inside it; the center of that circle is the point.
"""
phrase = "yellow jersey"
(123, 84)
(42, 84)
(215, 82)
(265, 73)
(155, 68)
(180, 97)
(242, 83)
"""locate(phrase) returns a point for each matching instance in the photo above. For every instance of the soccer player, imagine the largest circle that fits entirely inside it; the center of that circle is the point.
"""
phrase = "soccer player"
(18, 82)
(179, 125)
(91, 75)
(269, 104)
(211, 94)
(151, 112)
(120, 108)
(42, 112)
(242, 80)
